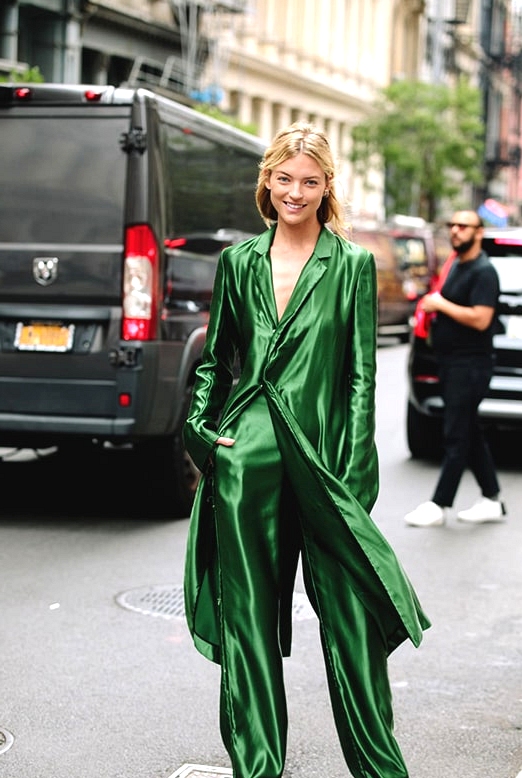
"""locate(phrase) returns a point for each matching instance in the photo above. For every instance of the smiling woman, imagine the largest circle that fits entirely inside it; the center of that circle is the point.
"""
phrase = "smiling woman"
(289, 470)
(296, 187)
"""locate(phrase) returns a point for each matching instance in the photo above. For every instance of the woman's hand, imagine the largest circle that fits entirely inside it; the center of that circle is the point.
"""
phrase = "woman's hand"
(225, 441)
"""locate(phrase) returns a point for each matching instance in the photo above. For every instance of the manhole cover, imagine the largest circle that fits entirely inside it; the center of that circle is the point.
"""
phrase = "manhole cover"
(167, 602)
(200, 771)
(6, 741)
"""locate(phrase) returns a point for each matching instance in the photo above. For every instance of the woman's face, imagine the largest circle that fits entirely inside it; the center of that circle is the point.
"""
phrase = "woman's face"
(297, 187)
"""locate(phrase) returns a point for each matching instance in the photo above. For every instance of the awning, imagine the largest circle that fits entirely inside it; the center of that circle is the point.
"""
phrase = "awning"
(493, 213)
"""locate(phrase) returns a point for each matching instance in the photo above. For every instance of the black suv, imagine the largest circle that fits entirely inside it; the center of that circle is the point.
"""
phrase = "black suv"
(501, 409)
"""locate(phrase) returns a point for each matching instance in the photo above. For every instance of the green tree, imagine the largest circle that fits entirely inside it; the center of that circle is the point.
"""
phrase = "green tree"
(428, 138)
(29, 76)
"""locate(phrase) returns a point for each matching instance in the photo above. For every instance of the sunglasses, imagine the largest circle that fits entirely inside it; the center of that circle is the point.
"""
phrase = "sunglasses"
(450, 226)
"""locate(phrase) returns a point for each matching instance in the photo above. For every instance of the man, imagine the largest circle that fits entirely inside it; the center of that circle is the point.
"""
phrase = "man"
(462, 339)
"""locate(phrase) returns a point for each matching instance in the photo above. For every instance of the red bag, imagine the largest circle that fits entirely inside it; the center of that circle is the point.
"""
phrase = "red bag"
(421, 322)
(421, 319)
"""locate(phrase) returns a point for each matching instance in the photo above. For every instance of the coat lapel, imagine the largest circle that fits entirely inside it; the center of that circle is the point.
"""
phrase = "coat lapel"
(262, 272)
(310, 276)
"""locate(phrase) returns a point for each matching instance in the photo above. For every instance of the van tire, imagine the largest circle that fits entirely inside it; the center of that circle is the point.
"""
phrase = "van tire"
(171, 473)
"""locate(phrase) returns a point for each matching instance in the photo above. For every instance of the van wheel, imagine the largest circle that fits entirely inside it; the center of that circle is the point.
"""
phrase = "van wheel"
(172, 475)
(186, 478)
(186, 474)
(424, 434)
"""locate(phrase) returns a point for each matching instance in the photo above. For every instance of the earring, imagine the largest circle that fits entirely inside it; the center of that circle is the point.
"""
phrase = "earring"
(326, 193)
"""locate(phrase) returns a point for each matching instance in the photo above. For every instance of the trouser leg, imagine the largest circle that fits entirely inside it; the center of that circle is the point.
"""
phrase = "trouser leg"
(356, 667)
(461, 401)
(253, 548)
(480, 458)
(464, 384)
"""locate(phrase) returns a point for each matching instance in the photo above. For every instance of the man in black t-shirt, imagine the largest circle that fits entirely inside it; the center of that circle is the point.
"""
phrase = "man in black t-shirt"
(462, 338)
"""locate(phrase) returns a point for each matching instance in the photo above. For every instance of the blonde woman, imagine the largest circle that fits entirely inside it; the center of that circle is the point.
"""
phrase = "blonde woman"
(290, 471)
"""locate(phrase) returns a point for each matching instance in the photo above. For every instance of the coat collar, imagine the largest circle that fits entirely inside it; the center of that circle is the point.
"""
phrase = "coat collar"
(323, 247)
(310, 275)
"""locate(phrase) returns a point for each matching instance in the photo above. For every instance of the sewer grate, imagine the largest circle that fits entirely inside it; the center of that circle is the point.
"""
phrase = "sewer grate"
(167, 602)
(200, 771)
(6, 741)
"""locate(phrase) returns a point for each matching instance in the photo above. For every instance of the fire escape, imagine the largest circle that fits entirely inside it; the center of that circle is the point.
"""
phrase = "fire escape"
(201, 25)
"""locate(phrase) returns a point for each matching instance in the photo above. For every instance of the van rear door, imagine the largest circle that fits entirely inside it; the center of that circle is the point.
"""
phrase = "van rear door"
(61, 238)
(63, 184)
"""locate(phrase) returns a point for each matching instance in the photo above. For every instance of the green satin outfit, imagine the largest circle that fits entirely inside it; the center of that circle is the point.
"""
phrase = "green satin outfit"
(301, 479)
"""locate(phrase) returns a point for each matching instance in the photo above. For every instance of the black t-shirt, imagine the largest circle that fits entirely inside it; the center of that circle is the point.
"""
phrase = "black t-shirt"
(474, 282)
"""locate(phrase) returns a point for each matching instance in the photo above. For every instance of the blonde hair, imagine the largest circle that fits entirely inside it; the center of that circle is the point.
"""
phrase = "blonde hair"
(301, 138)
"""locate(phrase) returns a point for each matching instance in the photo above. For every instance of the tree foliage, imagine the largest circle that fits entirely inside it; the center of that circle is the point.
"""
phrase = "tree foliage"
(31, 75)
(428, 138)
(216, 113)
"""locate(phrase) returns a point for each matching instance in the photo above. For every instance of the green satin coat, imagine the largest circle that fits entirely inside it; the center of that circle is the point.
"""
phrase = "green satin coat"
(316, 367)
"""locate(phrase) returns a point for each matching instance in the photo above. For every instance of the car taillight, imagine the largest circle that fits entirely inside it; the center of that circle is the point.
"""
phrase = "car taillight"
(22, 93)
(93, 95)
(175, 243)
(140, 284)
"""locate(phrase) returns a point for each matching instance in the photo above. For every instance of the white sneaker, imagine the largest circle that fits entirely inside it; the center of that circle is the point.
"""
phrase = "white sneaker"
(427, 514)
(483, 510)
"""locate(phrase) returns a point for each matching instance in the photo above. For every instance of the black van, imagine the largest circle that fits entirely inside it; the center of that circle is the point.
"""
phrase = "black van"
(114, 206)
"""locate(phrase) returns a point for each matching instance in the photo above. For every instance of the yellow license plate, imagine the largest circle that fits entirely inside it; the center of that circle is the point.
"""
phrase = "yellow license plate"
(44, 337)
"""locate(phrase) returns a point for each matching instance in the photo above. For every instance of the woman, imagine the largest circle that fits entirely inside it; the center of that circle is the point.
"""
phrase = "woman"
(290, 468)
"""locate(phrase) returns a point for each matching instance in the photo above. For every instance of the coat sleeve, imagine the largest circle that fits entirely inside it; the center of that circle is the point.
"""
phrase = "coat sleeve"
(213, 377)
(361, 474)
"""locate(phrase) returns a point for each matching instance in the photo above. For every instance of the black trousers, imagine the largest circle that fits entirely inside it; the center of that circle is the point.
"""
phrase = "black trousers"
(464, 383)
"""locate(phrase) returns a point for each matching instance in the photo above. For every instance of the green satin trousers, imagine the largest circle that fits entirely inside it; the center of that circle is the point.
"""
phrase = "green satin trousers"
(260, 531)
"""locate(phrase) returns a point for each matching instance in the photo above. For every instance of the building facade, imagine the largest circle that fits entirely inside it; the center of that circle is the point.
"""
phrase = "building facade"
(324, 62)
(269, 62)
(480, 39)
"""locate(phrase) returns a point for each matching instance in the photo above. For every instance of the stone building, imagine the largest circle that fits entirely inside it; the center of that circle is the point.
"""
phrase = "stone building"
(481, 39)
(267, 62)
(290, 59)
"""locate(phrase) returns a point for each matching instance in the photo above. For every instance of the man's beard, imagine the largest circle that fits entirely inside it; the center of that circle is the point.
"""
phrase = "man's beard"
(464, 247)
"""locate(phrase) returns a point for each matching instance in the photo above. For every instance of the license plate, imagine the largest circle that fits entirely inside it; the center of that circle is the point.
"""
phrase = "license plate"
(44, 337)
(514, 327)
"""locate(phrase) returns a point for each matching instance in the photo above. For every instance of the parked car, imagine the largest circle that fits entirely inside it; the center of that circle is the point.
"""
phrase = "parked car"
(408, 252)
(501, 409)
(421, 248)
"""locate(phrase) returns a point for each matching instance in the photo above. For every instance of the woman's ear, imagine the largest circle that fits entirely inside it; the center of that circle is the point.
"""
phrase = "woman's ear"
(267, 179)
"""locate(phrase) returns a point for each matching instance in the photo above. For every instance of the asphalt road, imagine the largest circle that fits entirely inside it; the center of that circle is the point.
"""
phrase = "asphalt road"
(99, 678)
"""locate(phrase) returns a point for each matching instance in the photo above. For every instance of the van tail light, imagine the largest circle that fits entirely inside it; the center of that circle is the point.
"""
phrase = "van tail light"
(140, 284)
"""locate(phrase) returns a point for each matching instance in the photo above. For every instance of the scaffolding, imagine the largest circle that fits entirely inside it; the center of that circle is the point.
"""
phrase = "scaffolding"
(205, 28)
